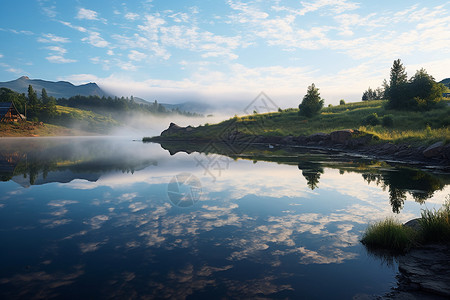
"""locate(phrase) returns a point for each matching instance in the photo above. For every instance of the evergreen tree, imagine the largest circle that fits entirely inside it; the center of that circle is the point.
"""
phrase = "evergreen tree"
(44, 97)
(397, 92)
(312, 103)
(33, 99)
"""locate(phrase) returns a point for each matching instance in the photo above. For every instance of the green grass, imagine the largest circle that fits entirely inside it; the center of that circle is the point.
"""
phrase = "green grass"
(389, 234)
(84, 120)
(435, 225)
(392, 235)
(408, 126)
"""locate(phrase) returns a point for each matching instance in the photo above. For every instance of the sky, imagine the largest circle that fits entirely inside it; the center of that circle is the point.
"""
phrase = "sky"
(223, 50)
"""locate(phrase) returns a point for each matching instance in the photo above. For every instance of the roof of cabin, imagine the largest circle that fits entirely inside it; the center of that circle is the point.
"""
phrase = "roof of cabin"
(4, 107)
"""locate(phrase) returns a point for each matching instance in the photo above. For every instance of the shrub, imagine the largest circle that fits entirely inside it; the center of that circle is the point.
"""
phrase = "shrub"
(387, 121)
(342, 102)
(389, 234)
(372, 120)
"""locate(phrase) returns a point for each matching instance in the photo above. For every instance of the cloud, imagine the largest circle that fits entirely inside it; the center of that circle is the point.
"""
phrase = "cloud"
(79, 28)
(1, 55)
(136, 55)
(87, 14)
(131, 16)
(95, 40)
(52, 38)
(58, 59)
(58, 49)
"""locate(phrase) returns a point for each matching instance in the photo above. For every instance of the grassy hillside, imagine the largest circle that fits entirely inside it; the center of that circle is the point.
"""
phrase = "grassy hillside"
(84, 120)
(30, 129)
(407, 126)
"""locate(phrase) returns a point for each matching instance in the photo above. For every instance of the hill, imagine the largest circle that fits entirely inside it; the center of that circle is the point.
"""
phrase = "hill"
(446, 82)
(390, 125)
(60, 89)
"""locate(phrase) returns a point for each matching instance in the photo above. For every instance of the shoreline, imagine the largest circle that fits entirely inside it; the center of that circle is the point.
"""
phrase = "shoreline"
(347, 141)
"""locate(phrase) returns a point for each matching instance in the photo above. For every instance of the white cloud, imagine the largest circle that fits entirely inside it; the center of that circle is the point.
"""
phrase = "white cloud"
(136, 55)
(52, 38)
(95, 40)
(1, 55)
(87, 14)
(110, 52)
(79, 28)
(58, 49)
(58, 59)
(132, 16)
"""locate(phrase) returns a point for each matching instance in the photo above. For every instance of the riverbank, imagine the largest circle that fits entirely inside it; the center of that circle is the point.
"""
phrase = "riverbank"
(350, 141)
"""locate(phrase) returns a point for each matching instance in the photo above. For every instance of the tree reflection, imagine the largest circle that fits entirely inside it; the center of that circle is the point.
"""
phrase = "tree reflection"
(311, 171)
(419, 184)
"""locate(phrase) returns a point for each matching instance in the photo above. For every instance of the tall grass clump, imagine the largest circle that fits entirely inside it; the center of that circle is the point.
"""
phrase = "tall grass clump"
(435, 224)
(389, 234)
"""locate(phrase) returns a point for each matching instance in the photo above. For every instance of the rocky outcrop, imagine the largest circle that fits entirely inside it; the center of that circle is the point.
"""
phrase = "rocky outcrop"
(434, 150)
(174, 129)
(424, 273)
(341, 136)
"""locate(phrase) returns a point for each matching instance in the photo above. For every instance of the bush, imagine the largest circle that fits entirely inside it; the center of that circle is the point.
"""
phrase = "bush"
(372, 120)
(387, 121)
(389, 234)
(342, 102)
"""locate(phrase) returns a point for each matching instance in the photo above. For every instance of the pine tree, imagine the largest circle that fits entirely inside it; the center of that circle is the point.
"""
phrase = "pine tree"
(397, 92)
(312, 103)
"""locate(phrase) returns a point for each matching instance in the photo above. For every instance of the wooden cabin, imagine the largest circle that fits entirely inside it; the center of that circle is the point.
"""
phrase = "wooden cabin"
(9, 113)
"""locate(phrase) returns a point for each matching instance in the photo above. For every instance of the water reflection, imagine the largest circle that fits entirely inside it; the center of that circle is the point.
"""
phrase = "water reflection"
(397, 179)
(287, 227)
(40, 161)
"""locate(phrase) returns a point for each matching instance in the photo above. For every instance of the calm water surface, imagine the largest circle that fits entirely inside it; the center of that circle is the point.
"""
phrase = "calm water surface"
(115, 218)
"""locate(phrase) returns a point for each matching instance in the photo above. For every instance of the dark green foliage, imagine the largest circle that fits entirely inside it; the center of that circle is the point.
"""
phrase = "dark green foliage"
(370, 94)
(387, 121)
(33, 99)
(372, 120)
(389, 234)
(312, 103)
(421, 92)
(424, 89)
(7, 95)
(341, 102)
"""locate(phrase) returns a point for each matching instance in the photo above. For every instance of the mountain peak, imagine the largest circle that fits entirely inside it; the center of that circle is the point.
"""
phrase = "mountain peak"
(60, 89)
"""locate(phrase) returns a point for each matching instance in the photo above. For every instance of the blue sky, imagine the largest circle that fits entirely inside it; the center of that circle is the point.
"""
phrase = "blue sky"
(223, 50)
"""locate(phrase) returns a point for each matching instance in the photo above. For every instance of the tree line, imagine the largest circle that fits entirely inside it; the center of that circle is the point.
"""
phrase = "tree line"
(43, 108)
(420, 92)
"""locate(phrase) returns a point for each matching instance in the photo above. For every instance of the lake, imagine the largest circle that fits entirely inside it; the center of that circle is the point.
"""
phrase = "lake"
(116, 218)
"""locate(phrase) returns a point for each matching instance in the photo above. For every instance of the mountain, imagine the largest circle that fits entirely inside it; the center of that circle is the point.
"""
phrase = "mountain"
(446, 82)
(60, 89)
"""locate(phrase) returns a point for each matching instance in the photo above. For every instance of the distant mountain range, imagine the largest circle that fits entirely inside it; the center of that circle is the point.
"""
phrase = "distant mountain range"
(60, 89)
(64, 89)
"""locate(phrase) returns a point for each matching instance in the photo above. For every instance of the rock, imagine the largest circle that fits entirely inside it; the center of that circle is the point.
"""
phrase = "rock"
(319, 137)
(173, 128)
(341, 136)
(427, 268)
(434, 150)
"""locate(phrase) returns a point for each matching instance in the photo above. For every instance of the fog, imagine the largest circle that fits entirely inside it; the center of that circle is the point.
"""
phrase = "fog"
(140, 125)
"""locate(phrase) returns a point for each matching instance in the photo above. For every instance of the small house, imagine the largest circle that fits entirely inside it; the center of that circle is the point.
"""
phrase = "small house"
(9, 113)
